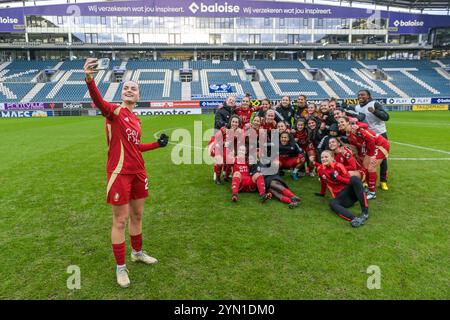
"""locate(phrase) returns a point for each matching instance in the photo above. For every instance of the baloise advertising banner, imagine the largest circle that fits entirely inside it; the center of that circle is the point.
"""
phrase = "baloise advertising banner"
(12, 20)
(399, 22)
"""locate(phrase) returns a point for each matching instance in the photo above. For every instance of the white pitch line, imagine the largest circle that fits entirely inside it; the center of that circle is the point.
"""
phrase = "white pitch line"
(421, 124)
(420, 159)
(420, 147)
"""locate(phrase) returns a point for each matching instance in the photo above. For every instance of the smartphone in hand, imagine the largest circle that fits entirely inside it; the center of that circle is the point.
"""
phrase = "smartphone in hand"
(102, 64)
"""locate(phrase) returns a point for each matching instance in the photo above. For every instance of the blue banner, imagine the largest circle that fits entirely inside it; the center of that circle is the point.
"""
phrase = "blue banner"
(25, 113)
(12, 19)
(211, 104)
(440, 100)
(220, 88)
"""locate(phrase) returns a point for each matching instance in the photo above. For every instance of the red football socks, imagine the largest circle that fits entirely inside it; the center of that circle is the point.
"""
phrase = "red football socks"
(235, 182)
(261, 185)
(372, 181)
(228, 169)
(285, 199)
(119, 253)
(288, 193)
(136, 242)
(218, 170)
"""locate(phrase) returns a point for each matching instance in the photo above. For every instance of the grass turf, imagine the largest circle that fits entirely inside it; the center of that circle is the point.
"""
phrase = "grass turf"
(53, 214)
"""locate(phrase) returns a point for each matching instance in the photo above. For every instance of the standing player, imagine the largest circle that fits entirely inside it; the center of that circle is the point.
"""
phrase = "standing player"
(265, 105)
(377, 149)
(223, 115)
(221, 143)
(127, 181)
(301, 137)
(285, 111)
(375, 117)
(310, 111)
(301, 105)
(269, 122)
(345, 190)
(244, 111)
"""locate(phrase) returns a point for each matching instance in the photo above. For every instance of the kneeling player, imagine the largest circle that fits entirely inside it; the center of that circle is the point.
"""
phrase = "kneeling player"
(301, 137)
(244, 180)
(290, 155)
(344, 189)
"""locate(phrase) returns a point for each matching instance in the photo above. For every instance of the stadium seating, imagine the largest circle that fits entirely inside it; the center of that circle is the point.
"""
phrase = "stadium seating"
(159, 80)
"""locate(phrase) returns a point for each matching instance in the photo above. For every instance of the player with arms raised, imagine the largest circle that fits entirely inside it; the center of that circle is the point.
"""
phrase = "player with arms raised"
(127, 185)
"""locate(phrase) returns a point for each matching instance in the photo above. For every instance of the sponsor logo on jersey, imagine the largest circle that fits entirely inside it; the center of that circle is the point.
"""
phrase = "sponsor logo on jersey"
(132, 136)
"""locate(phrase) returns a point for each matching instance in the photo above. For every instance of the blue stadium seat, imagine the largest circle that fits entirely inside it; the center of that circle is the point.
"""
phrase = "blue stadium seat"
(416, 78)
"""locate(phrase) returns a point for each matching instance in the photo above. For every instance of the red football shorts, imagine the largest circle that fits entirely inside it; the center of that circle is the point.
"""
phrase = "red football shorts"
(383, 150)
(122, 188)
(307, 148)
(379, 152)
(291, 162)
(247, 184)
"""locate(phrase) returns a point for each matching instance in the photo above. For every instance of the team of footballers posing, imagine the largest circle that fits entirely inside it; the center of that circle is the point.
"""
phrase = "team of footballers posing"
(332, 142)
(348, 154)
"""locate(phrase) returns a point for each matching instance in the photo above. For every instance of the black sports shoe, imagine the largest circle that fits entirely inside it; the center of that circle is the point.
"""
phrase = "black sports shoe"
(293, 204)
(364, 216)
(319, 194)
(266, 196)
(295, 199)
(226, 179)
(234, 197)
(218, 181)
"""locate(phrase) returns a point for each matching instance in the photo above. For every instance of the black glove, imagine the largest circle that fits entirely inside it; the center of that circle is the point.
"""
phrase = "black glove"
(163, 140)
(319, 194)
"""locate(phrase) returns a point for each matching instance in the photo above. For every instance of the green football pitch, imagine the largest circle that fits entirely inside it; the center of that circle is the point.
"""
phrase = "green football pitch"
(54, 215)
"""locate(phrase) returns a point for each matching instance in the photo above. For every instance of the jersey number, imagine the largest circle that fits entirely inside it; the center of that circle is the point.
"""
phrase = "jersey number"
(146, 183)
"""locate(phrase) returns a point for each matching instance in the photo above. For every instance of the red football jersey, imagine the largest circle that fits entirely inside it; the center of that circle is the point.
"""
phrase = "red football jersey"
(245, 114)
(242, 168)
(123, 132)
(373, 139)
(301, 137)
(340, 181)
(268, 126)
(359, 142)
(347, 159)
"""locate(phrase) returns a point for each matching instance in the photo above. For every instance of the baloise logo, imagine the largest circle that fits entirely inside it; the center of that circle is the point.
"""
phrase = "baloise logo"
(214, 8)
(4, 20)
(408, 23)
